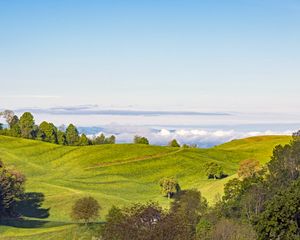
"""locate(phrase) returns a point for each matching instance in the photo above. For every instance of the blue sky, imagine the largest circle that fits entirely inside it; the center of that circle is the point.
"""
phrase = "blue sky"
(228, 56)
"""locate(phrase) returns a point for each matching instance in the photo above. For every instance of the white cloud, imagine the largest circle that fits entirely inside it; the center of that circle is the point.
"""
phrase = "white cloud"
(201, 137)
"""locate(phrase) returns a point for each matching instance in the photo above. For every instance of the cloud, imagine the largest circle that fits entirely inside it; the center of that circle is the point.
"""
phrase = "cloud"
(201, 137)
(95, 110)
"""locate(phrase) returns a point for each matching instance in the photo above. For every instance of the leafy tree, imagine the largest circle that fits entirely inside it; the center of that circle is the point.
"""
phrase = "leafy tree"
(11, 189)
(173, 143)
(169, 186)
(15, 131)
(72, 136)
(26, 124)
(84, 141)
(281, 218)
(140, 140)
(1, 126)
(61, 138)
(110, 140)
(139, 221)
(214, 170)
(187, 208)
(248, 168)
(47, 132)
(284, 166)
(85, 209)
(99, 139)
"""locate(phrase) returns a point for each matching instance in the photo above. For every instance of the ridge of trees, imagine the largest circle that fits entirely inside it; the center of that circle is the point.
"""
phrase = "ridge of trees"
(25, 127)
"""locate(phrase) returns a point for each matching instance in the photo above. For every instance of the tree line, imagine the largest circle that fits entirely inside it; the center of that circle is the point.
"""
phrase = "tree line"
(25, 127)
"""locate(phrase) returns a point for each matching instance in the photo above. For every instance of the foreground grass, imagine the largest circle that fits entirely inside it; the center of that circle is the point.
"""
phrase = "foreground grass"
(115, 175)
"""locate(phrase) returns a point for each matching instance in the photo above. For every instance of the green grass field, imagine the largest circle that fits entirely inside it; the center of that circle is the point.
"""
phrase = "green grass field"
(117, 174)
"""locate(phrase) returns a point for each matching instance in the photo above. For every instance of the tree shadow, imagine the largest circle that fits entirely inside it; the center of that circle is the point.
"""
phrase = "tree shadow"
(22, 223)
(31, 206)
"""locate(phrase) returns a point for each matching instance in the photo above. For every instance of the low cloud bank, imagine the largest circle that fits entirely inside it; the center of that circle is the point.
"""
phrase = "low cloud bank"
(161, 136)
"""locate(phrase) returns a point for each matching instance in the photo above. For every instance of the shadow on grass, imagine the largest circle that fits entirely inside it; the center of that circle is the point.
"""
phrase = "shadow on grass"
(23, 223)
(31, 206)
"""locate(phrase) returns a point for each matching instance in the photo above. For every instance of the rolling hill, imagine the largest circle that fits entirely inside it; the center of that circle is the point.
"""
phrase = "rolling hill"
(117, 174)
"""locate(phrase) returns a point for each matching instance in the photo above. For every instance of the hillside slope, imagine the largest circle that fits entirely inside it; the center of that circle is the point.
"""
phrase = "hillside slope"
(118, 174)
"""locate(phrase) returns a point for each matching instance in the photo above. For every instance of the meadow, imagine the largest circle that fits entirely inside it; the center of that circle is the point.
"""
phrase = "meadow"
(114, 174)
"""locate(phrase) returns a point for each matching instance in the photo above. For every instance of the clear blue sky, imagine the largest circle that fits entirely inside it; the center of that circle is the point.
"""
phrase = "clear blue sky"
(241, 55)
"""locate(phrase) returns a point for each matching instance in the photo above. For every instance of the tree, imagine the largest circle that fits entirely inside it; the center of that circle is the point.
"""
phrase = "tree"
(281, 218)
(61, 138)
(139, 221)
(140, 140)
(26, 124)
(85, 209)
(214, 170)
(8, 115)
(1, 126)
(173, 143)
(47, 132)
(72, 136)
(248, 168)
(99, 139)
(169, 186)
(110, 140)
(11, 189)
(187, 208)
(84, 141)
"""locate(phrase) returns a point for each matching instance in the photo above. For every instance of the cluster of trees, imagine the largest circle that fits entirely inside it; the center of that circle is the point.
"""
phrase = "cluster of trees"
(25, 127)
(11, 190)
(149, 221)
(263, 203)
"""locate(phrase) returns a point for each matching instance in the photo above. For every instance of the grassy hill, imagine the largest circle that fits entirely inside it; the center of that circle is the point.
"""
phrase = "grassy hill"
(114, 174)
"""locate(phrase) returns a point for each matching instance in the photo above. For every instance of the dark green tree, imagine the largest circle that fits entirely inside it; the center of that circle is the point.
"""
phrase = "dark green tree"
(99, 139)
(47, 132)
(84, 141)
(110, 140)
(174, 143)
(281, 218)
(72, 136)
(27, 126)
(140, 140)
(61, 138)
